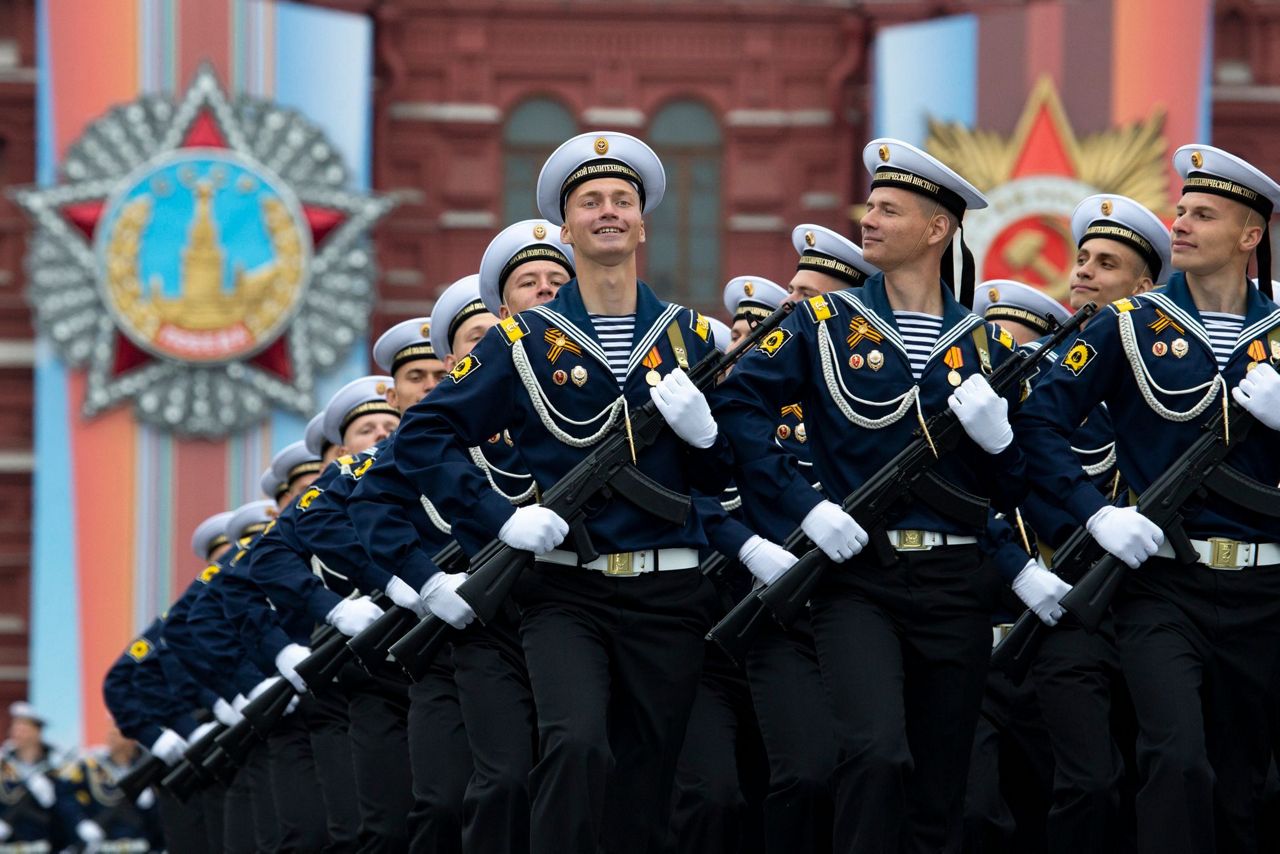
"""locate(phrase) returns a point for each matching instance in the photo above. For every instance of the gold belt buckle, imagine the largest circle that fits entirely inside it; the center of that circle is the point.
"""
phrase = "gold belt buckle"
(911, 540)
(1225, 553)
(620, 565)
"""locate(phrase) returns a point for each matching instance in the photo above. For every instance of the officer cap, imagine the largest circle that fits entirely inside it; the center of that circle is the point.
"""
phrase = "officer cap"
(250, 519)
(599, 154)
(520, 243)
(210, 534)
(290, 463)
(824, 251)
(1122, 219)
(1005, 299)
(359, 397)
(406, 341)
(27, 712)
(459, 302)
(314, 435)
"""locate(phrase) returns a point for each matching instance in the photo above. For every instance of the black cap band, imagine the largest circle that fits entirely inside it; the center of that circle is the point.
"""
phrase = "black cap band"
(419, 350)
(1123, 234)
(1024, 316)
(604, 167)
(368, 408)
(532, 252)
(220, 540)
(891, 176)
(752, 312)
(821, 262)
(309, 467)
(469, 310)
(1215, 185)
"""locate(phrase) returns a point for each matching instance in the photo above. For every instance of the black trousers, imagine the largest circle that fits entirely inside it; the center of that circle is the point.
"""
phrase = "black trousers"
(614, 665)
(441, 761)
(183, 824)
(1199, 649)
(721, 772)
(904, 652)
(497, 712)
(326, 716)
(1010, 773)
(798, 731)
(378, 712)
(1086, 709)
(300, 814)
(249, 809)
(212, 802)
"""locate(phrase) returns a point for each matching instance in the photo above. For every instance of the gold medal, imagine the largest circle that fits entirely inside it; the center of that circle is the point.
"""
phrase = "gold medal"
(559, 378)
(875, 360)
(1250, 367)
(954, 377)
(653, 377)
(1179, 347)
(578, 375)
(784, 432)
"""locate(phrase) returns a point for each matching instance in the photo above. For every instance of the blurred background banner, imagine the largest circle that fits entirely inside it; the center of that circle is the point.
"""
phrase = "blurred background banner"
(1043, 105)
(116, 499)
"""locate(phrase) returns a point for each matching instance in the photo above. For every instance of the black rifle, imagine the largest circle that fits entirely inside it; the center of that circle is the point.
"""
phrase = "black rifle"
(878, 500)
(609, 470)
(187, 776)
(140, 776)
(1198, 471)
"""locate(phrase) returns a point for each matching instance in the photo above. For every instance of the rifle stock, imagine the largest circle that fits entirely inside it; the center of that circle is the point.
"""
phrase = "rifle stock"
(141, 776)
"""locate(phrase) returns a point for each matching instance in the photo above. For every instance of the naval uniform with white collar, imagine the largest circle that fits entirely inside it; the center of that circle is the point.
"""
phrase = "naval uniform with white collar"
(902, 646)
(1199, 643)
(614, 648)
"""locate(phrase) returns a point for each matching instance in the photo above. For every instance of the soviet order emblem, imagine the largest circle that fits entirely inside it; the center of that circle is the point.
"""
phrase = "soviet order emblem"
(202, 257)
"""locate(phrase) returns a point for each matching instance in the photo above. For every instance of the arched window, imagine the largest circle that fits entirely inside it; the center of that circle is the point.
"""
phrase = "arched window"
(682, 237)
(533, 131)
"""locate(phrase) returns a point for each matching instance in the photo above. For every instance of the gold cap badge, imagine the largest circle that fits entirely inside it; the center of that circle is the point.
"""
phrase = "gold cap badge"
(748, 289)
(1197, 159)
(539, 232)
(884, 153)
(809, 239)
(602, 145)
(993, 295)
(380, 388)
(426, 330)
(1107, 207)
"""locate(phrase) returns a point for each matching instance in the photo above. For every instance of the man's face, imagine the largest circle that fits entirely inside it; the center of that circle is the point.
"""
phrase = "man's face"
(218, 551)
(1105, 271)
(24, 733)
(810, 283)
(532, 283)
(413, 381)
(740, 328)
(1210, 231)
(367, 431)
(602, 221)
(897, 225)
(467, 336)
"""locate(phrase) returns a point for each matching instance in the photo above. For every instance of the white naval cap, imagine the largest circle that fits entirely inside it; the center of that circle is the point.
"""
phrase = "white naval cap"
(520, 243)
(721, 334)
(599, 154)
(359, 397)
(210, 534)
(314, 434)
(249, 519)
(894, 163)
(1205, 169)
(270, 484)
(459, 302)
(24, 710)
(291, 462)
(406, 341)
(824, 251)
(752, 297)
(1005, 299)
(1122, 219)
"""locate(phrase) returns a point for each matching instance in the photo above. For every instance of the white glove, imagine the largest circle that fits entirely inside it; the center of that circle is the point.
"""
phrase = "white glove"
(287, 659)
(147, 799)
(353, 616)
(262, 686)
(1041, 591)
(765, 559)
(238, 702)
(1125, 533)
(201, 731)
(404, 596)
(168, 748)
(685, 409)
(5, 830)
(983, 414)
(834, 531)
(41, 787)
(440, 595)
(534, 528)
(1259, 393)
(225, 714)
(89, 832)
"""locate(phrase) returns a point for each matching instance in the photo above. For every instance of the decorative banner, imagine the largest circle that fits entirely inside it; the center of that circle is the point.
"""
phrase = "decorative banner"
(1042, 106)
(186, 242)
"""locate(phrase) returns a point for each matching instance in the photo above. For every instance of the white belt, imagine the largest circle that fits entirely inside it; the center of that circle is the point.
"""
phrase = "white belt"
(914, 541)
(628, 564)
(1221, 553)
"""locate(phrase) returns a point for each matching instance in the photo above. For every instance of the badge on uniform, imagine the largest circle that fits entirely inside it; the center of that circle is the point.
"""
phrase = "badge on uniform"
(1179, 347)
(1079, 357)
(818, 308)
(784, 432)
(773, 342)
(207, 574)
(140, 649)
(559, 377)
(465, 368)
(1257, 351)
(651, 361)
(358, 471)
(954, 360)
(1163, 322)
(856, 361)
(1159, 348)
(702, 328)
(578, 375)
(875, 360)
(513, 328)
(305, 499)
(560, 343)
(793, 409)
(860, 330)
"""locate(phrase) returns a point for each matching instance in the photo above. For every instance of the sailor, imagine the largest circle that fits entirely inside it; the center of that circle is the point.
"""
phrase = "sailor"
(92, 807)
(27, 793)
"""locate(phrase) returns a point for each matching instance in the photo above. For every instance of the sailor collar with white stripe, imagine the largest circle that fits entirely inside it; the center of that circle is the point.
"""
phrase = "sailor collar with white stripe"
(568, 314)
(872, 302)
(1261, 314)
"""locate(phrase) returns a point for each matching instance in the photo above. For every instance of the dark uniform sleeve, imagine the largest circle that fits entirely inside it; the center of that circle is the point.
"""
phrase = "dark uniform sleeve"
(380, 506)
(284, 573)
(250, 616)
(326, 530)
(726, 534)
